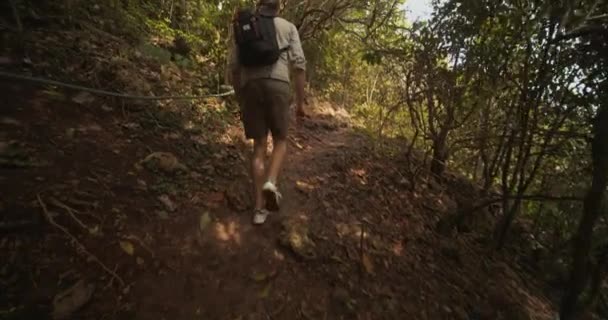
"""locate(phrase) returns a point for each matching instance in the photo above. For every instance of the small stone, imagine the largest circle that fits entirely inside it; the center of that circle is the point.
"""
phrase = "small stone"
(72, 299)
(163, 161)
(69, 133)
(204, 221)
(166, 201)
(83, 98)
(9, 121)
(341, 295)
(131, 125)
(162, 214)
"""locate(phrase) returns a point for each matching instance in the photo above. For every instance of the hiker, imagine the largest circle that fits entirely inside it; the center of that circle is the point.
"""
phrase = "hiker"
(264, 49)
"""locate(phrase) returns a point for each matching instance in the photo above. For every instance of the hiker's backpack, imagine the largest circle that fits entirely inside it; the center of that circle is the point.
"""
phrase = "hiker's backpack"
(256, 38)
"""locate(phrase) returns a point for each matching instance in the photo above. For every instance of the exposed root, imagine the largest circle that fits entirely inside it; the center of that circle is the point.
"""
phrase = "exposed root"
(79, 245)
(71, 212)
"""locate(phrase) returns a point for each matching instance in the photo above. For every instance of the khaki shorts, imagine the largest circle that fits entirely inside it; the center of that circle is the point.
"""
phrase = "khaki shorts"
(265, 107)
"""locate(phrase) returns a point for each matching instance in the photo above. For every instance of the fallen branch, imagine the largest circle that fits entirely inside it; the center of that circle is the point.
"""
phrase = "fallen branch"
(79, 245)
(71, 212)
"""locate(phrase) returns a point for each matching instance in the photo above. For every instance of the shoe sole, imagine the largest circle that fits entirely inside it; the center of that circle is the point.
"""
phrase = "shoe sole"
(255, 223)
(271, 201)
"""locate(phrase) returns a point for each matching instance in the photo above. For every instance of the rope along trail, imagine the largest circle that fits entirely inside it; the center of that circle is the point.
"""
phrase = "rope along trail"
(109, 93)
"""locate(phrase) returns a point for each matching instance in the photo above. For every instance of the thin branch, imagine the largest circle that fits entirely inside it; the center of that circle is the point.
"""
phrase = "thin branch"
(79, 245)
(71, 212)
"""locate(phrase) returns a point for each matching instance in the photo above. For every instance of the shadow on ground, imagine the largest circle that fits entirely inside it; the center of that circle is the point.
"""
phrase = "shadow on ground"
(354, 240)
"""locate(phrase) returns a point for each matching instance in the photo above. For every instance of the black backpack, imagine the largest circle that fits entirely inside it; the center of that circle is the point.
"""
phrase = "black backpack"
(256, 38)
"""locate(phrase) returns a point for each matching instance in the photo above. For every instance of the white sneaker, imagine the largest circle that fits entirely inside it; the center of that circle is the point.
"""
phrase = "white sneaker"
(272, 196)
(260, 216)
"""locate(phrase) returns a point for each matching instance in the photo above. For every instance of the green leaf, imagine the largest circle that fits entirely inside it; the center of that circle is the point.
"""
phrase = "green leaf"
(204, 221)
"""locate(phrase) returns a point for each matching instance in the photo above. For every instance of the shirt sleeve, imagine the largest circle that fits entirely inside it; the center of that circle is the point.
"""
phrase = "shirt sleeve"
(296, 53)
(233, 63)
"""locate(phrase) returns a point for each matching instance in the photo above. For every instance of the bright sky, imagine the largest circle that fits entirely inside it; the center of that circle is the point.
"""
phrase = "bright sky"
(418, 9)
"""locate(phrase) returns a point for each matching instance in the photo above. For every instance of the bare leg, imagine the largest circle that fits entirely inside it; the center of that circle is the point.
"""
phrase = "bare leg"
(276, 161)
(258, 170)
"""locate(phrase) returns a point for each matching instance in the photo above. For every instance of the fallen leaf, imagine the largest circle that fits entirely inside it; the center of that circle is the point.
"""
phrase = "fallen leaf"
(304, 187)
(126, 290)
(127, 247)
(53, 94)
(259, 276)
(166, 201)
(95, 231)
(367, 263)
(204, 221)
(265, 292)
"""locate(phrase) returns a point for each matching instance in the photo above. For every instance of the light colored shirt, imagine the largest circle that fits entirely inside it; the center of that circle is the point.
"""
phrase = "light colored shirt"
(287, 36)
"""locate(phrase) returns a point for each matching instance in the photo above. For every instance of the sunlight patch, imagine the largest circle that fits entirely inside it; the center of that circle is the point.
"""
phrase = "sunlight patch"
(359, 174)
(279, 256)
(228, 232)
(398, 249)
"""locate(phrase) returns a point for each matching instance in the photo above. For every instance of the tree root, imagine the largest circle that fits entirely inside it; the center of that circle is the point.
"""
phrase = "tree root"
(77, 243)
(71, 213)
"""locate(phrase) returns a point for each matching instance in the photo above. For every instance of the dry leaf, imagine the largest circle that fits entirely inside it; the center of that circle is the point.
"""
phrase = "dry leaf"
(367, 263)
(304, 187)
(204, 221)
(265, 292)
(259, 276)
(127, 247)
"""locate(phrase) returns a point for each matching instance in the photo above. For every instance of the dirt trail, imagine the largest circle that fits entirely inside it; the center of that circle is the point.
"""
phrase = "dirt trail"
(355, 238)
(239, 270)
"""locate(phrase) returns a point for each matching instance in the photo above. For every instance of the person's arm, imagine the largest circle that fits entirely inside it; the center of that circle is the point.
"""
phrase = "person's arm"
(298, 62)
(234, 69)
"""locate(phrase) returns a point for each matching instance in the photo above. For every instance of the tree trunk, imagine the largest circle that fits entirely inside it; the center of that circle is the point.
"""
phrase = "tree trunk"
(581, 261)
(440, 155)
